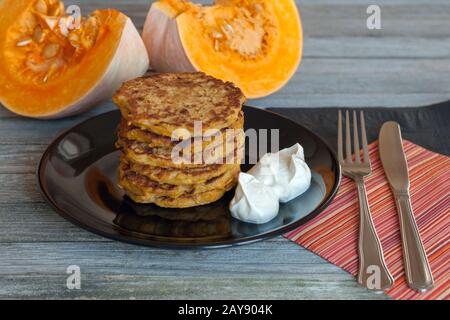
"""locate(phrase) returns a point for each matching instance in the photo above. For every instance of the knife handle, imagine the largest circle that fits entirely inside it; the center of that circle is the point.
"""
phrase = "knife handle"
(417, 269)
(373, 272)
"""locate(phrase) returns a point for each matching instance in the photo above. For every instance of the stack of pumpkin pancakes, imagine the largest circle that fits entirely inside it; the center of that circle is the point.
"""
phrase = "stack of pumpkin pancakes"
(181, 137)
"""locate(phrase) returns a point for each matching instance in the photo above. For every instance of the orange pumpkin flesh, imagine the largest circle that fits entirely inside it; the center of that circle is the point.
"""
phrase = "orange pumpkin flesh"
(255, 44)
(48, 71)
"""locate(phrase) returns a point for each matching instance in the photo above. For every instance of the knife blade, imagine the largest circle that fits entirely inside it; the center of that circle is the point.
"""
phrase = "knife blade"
(417, 268)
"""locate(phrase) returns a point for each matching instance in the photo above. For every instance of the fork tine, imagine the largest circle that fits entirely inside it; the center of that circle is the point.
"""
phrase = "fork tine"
(364, 138)
(355, 138)
(339, 142)
(348, 143)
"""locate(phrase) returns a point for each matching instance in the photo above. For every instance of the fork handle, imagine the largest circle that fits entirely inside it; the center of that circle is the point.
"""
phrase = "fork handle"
(417, 268)
(373, 273)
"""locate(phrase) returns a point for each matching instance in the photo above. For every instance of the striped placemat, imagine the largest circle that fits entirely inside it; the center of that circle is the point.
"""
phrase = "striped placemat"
(333, 234)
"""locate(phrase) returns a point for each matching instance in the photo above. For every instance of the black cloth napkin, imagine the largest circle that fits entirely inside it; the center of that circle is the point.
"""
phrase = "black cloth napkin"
(427, 126)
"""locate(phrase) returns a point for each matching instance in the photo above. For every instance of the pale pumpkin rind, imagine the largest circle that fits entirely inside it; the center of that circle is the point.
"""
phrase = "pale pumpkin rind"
(178, 39)
(118, 55)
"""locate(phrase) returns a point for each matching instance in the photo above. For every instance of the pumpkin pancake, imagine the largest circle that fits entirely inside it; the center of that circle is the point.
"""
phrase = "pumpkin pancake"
(143, 186)
(163, 103)
(184, 201)
(129, 131)
(140, 152)
(179, 176)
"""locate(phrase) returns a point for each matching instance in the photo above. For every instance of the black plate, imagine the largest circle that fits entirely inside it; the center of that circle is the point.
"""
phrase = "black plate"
(77, 176)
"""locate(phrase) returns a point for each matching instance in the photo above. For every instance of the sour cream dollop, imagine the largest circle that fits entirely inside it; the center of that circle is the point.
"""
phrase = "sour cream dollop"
(286, 172)
(277, 177)
(253, 201)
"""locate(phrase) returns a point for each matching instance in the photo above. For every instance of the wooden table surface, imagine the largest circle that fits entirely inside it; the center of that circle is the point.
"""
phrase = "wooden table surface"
(406, 63)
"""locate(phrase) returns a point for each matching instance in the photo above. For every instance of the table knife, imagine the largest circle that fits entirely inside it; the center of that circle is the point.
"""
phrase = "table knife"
(417, 268)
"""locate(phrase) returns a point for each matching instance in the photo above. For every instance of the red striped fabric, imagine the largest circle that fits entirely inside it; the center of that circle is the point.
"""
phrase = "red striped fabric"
(334, 233)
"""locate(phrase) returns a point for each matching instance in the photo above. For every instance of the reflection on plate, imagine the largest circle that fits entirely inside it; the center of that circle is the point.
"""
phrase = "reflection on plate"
(78, 177)
(204, 222)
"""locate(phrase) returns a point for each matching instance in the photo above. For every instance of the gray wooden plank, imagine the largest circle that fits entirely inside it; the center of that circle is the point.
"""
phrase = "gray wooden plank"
(351, 100)
(364, 82)
(387, 67)
(120, 286)
(345, 83)
(37, 222)
(23, 159)
(42, 132)
(60, 123)
(376, 47)
(115, 270)
(28, 131)
(280, 254)
(19, 188)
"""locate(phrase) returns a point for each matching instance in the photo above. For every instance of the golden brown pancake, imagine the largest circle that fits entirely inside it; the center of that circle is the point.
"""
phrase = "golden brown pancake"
(143, 186)
(163, 103)
(184, 201)
(140, 152)
(179, 176)
(129, 131)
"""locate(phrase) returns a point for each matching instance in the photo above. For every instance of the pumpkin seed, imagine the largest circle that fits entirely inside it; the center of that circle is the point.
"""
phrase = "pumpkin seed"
(38, 34)
(217, 35)
(23, 43)
(227, 30)
(52, 70)
(228, 27)
(50, 50)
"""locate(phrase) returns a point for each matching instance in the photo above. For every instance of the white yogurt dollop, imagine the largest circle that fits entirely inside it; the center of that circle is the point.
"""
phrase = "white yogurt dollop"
(277, 177)
(286, 172)
(253, 201)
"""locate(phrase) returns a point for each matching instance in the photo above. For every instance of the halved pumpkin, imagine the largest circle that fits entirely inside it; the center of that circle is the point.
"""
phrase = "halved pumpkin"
(255, 44)
(53, 65)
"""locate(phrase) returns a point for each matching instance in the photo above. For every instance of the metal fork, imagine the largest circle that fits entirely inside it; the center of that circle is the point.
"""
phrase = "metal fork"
(373, 273)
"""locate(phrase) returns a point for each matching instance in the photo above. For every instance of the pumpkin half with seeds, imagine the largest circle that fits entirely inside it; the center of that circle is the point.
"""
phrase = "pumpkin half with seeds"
(56, 63)
(256, 44)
